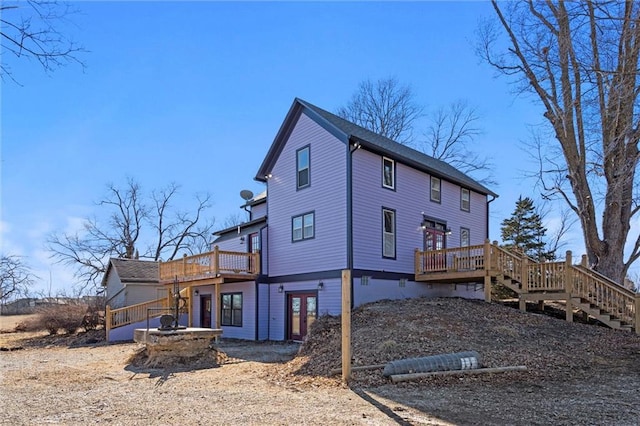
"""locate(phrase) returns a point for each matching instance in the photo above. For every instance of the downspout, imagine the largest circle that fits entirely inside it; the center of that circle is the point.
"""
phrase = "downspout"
(257, 309)
(350, 151)
(489, 202)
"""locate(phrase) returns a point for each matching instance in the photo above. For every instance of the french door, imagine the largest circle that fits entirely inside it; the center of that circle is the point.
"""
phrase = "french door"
(434, 239)
(302, 310)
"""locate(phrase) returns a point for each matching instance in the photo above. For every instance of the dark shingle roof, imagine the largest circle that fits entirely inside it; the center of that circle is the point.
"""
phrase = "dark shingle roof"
(403, 153)
(132, 270)
(371, 141)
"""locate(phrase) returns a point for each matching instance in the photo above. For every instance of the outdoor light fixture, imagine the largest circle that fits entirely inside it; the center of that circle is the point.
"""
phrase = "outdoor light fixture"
(280, 288)
(447, 231)
(320, 285)
(197, 292)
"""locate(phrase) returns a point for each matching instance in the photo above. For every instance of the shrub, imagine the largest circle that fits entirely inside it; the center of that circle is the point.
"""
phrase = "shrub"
(68, 317)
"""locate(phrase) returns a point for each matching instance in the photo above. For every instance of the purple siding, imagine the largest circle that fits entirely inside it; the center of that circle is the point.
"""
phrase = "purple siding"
(263, 311)
(376, 289)
(248, 329)
(234, 244)
(328, 302)
(326, 197)
(410, 200)
(258, 211)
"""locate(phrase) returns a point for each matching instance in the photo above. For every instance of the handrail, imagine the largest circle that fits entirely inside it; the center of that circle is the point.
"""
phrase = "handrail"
(211, 263)
(458, 259)
(563, 276)
(133, 313)
(604, 293)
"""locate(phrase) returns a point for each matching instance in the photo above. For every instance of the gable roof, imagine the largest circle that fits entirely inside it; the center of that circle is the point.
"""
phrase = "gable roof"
(133, 271)
(347, 131)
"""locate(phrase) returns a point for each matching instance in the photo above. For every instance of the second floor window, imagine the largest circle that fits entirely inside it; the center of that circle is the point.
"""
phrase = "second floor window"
(465, 199)
(436, 185)
(303, 167)
(465, 237)
(388, 233)
(388, 173)
(303, 227)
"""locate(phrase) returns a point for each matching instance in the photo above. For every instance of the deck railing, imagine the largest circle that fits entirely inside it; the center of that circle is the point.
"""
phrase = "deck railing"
(576, 281)
(459, 259)
(608, 296)
(210, 264)
(134, 313)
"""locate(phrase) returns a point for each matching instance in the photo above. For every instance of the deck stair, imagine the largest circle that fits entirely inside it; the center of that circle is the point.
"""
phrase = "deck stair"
(581, 288)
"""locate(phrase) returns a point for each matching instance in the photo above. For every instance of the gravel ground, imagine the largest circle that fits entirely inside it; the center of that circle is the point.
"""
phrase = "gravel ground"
(577, 374)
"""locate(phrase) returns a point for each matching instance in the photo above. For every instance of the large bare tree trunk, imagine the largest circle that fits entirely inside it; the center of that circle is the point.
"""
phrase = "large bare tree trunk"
(581, 60)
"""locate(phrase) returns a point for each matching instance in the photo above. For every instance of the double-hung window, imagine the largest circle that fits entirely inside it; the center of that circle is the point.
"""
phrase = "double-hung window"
(465, 199)
(388, 173)
(465, 237)
(388, 233)
(303, 227)
(303, 176)
(436, 185)
(231, 311)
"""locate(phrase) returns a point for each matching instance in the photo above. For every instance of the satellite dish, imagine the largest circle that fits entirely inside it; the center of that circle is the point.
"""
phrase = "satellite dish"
(246, 194)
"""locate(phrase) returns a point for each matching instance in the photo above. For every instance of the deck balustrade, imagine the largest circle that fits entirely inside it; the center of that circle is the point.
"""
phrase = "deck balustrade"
(531, 278)
(210, 265)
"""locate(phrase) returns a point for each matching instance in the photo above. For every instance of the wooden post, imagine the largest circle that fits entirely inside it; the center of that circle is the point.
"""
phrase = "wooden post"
(636, 326)
(568, 285)
(184, 265)
(488, 259)
(107, 319)
(217, 303)
(346, 325)
(416, 262)
(585, 261)
(216, 261)
(524, 281)
(189, 308)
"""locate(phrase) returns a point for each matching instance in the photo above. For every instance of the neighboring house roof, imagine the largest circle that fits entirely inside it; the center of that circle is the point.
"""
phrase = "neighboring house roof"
(133, 271)
(242, 229)
(347, 131)
(258, 199)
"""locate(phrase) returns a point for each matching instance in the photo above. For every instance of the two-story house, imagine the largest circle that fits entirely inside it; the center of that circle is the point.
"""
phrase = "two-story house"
(340, 197)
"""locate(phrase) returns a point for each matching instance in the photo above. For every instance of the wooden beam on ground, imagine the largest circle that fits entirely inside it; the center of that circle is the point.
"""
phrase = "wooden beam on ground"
(396, 378)
(335, 371)
(346, 325)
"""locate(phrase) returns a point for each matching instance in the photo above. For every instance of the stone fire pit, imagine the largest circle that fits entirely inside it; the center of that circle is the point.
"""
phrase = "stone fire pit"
(166, 348)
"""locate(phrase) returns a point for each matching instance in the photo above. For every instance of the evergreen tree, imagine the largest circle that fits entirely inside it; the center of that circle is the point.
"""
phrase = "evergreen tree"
(524, 231)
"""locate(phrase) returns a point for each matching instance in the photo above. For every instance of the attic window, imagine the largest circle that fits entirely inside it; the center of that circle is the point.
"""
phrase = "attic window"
(303, 167)
(435, 189)
(388, 173)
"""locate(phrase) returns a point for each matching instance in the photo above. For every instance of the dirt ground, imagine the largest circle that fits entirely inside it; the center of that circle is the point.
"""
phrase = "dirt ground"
(577, 374)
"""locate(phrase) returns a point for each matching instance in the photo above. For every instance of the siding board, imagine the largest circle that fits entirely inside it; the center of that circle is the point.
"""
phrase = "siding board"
(326, 197)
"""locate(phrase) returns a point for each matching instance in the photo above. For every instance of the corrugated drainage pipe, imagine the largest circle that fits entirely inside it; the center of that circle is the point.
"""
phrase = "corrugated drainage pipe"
(456, 361)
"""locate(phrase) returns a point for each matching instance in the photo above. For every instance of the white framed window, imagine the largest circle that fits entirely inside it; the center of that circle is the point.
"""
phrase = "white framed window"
(303, 227)
(436, 186)
(465, 237)
(388, 173)
(303, 167)
(465, 199)
(388, 233)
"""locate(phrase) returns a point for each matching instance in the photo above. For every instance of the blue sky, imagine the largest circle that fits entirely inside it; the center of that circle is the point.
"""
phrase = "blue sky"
(194, 93)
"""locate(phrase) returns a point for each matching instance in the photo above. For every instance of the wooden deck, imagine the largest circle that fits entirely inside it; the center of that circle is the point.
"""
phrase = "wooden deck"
(581, 288)
(213, 267)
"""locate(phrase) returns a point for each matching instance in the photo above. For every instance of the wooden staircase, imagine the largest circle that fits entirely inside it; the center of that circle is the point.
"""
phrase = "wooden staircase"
(581, 289)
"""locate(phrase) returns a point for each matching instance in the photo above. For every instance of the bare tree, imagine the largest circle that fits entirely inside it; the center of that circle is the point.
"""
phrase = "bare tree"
(132, 222)
(449, 133)
(233, 220)
(384, 107)
(389, 109)
(15, 277)
(31, 29)
(580, 60)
